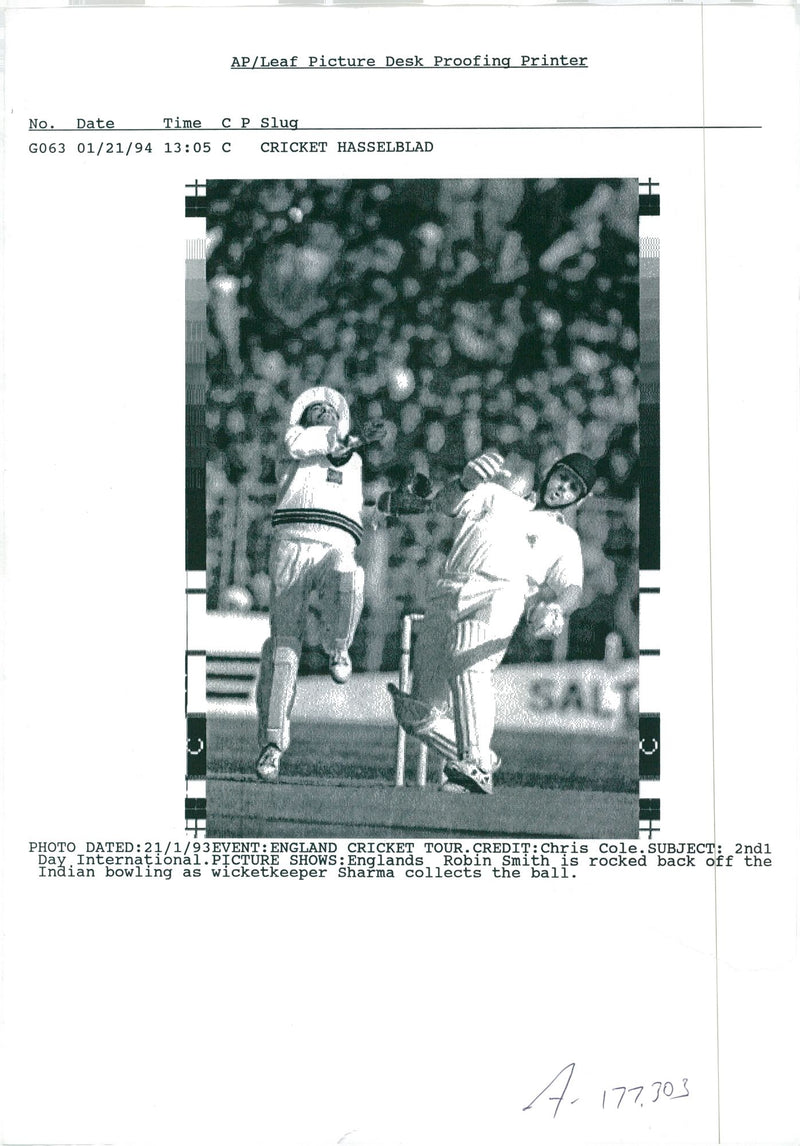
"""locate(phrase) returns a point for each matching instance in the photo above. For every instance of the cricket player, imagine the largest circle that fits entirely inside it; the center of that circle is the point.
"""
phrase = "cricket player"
(513, 553)
(317, 524)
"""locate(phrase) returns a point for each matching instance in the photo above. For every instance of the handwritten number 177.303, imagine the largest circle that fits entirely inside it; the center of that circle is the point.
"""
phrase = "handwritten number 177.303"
(657, 1090)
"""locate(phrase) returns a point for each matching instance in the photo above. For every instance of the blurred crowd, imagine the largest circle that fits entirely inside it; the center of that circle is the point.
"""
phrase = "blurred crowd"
(468, 314)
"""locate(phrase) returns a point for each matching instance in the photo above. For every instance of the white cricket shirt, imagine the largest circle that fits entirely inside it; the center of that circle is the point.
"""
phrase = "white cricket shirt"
(502, 535)
(318, 499)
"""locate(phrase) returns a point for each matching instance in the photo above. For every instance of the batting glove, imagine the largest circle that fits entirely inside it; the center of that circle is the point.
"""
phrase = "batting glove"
(544, 621)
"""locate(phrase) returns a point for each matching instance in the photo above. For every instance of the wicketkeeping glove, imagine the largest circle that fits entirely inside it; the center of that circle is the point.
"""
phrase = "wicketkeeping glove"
(485, 467)
(410, 498)
(372, 433)
(545, 620)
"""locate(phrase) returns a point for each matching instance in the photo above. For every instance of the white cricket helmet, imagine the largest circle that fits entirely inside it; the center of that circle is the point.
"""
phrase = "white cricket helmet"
(322, 394)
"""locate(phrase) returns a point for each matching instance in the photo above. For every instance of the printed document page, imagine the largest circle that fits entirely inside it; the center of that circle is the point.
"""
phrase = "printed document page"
(399, 625)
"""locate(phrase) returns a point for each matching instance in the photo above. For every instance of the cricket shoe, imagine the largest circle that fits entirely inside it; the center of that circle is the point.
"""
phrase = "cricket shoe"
(469, 775)
(268, 764)
(340, 667)
(456, 786)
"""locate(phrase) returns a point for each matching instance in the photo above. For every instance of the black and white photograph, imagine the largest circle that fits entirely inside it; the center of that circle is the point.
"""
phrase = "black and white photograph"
(422, 507)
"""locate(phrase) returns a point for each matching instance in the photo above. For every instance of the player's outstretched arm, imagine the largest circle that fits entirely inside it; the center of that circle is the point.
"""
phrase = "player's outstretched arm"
(373, 433)
(303, 442)
(483, 468)
(415, 496)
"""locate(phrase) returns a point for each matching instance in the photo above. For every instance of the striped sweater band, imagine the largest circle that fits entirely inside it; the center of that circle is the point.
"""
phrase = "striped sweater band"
(318, 517)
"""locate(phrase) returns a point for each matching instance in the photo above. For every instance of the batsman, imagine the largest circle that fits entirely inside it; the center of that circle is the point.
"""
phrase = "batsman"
(513, 554)
(317, 524)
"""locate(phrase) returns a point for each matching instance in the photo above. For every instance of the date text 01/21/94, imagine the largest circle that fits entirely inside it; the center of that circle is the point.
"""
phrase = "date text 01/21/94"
(611, 1098)
(98, 148)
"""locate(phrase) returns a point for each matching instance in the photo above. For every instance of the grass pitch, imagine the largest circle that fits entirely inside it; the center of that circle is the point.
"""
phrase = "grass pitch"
(366, 752)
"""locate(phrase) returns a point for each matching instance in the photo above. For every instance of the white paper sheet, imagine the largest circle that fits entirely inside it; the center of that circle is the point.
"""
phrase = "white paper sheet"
(629, 1004)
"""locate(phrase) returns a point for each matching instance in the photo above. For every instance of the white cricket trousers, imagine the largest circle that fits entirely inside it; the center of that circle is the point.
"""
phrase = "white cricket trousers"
(296, 568)
(462, 640)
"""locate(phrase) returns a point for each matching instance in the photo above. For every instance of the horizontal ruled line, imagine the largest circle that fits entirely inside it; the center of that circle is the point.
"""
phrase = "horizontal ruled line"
(320, 130)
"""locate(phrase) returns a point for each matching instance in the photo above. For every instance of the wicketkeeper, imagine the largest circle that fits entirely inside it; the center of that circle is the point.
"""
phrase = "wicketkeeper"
(317, 524)
(512, 554)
